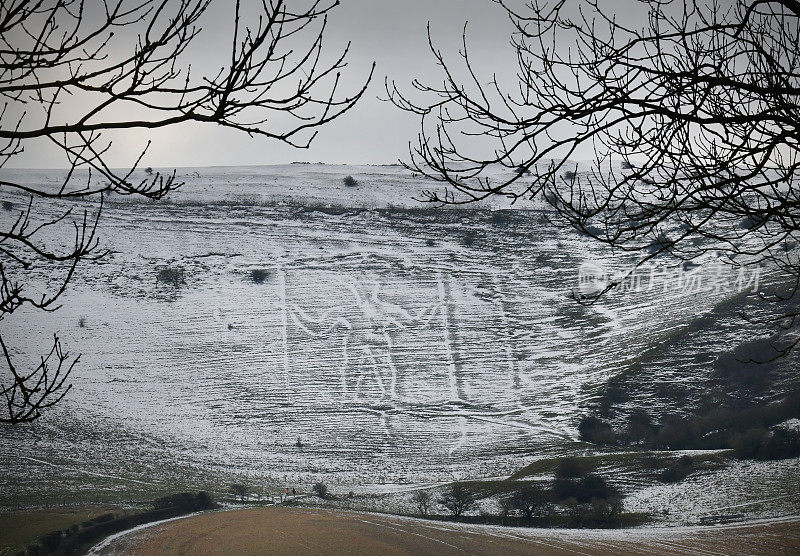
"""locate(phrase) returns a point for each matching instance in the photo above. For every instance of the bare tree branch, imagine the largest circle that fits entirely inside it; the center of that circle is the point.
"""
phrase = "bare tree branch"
(279, 82)
(693, 120)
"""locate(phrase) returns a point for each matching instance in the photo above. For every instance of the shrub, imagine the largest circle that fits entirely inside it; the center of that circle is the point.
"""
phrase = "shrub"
(258, 275)
(189, 501)
(469, 238)
(758, 443)
(458, 499)
(172, 276)
(595, 486)
(627, 165)
(661, 243)
(615, 392)
(523, 171)
(350, 181)
(321, 490)
(595, 430)
(780, 444)
(604, 510)
(501, 217)
(8, 205)
(742, 367)
(239, 490)
(578, 513)
(678, 470)
(148, 171)
(748, 443)
(584, 489)
(422, 500)
(51, 541)
(569, 175)
(529, 500)
(752, 221)
(572, 468)
(677, 434)
(640, 426)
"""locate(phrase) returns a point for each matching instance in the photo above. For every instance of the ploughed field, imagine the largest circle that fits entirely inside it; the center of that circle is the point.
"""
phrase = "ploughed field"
(294, 531)
(272, 324)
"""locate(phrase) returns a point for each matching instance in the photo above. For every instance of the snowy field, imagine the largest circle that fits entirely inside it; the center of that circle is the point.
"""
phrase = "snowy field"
(272, 324)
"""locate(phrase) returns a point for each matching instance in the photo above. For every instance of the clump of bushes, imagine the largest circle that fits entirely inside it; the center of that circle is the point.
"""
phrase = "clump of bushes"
(501, 217)
(189, 501)
(458, 499)
(530, 500)
(752, 221)
(615, 392)
(75, 539)
(8, 205)
(350, 181)
(469, 238)
(576, 497)
(761, 444)
(582, 489)
(731, 428)
(574, 479)
(258, 275)
(51, 541)
(172, 276)
(321, 490)
(573, 468)
(750, 430)
(640, 427)
(595, 430)
(587, 497)
(240, 490)
(678, 470)
(743, 367)
(422, 500)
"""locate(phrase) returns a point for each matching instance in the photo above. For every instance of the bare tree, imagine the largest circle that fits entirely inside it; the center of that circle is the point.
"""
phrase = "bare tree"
(74, 70)
(457, 499)
(240, 490)
(320, 489)
(530, 500)
(422, 500)
(692, 119)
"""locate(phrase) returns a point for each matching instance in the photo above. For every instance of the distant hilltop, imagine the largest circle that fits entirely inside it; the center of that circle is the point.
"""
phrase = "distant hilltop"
(390, 165)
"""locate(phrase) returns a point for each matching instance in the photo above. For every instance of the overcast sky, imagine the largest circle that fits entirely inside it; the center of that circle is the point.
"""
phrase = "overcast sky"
(390, 32)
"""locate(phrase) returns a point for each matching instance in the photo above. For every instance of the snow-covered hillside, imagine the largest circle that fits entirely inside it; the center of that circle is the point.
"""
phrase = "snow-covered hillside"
(275, 323)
